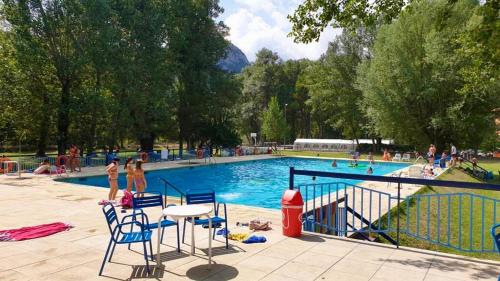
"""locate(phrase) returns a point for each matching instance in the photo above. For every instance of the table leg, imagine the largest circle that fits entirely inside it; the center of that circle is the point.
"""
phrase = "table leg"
(158, 255)
(209, 241)
(192, 236)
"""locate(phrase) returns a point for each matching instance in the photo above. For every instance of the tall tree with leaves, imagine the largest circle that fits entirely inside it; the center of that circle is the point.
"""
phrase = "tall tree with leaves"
(274, 127)
(261, 81)
(412, 85)
(334, 98)
(195, 44)
(53, 31)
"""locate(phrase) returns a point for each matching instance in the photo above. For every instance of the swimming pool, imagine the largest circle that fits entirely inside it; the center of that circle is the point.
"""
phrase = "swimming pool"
(257, 183)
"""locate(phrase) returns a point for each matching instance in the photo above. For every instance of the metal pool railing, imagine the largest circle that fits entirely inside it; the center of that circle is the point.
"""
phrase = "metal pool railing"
(460, 221)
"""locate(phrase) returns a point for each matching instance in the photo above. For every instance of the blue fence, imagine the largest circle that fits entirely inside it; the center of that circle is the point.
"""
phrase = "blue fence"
(456, 220)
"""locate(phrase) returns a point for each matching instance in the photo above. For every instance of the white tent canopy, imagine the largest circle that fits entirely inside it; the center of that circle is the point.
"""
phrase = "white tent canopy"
(331, 144)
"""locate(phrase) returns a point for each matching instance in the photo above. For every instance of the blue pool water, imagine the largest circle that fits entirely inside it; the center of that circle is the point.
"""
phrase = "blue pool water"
(257, 183)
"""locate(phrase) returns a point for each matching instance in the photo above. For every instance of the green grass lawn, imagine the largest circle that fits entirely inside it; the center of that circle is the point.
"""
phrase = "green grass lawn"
(451, 208)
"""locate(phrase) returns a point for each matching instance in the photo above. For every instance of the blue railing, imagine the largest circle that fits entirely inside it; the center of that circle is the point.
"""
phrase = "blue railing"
(453, 220)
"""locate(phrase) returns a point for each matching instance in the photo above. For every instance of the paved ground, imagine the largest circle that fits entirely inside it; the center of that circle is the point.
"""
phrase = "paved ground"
(77, 253)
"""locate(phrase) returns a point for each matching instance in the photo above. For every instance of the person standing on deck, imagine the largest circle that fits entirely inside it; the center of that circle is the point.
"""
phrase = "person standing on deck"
(139, 178)
(112, 170)
(453, 152)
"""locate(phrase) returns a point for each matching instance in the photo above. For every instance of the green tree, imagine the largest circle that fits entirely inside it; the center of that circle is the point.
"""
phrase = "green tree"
(261, 81)
(51, 31)
(334, 97)
(313, 16)
(412, 85)
(195, 44)
(274, 127)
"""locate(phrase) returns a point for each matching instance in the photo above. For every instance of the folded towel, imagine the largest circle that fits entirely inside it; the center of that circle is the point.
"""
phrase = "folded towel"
(255, 239)
(238, 236)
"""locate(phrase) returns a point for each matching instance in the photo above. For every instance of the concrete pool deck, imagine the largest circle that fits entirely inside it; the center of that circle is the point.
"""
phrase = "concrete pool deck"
(77, 253)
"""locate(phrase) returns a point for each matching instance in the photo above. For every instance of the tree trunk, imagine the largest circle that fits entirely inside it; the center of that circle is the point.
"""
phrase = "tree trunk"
(147, 143)
(63, 117)
(43, 128)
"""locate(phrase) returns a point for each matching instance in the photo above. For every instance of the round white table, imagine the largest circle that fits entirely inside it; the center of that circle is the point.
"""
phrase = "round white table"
(187, 211)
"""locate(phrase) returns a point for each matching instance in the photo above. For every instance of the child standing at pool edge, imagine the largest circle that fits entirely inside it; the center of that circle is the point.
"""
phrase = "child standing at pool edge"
(139, 179)
(112, 170)
(130, 174)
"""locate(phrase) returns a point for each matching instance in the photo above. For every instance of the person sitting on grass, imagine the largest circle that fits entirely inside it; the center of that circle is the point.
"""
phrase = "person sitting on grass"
(386, 156)
(370, 158)
(442, 161)
(44, 168)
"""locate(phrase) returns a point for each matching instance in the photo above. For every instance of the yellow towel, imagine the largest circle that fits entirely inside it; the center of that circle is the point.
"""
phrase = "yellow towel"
(238, 236)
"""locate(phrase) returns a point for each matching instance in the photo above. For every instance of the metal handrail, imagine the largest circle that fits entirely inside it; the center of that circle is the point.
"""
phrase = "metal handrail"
(168, 184)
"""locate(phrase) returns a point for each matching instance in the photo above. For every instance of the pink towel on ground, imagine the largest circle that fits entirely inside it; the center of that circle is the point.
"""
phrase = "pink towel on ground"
(32, 232)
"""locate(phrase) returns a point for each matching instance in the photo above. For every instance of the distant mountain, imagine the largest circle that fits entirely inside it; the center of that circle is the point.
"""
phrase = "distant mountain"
(234, 61)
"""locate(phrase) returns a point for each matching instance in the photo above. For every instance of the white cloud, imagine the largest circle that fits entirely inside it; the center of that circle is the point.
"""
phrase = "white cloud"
(257, 24)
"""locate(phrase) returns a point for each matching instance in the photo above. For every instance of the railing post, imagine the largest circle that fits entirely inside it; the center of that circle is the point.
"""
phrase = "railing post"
(399, 199)
(165, 198)
(292, 173)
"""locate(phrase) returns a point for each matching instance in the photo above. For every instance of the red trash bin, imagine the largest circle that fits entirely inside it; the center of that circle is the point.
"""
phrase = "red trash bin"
(291, 208)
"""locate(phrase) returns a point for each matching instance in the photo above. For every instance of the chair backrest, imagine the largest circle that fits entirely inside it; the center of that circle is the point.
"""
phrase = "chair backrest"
(111, 216)
(201, 197)
(147, 200)
(496, 236)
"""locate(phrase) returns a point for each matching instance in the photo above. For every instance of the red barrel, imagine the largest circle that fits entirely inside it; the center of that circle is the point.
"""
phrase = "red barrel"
(291, 208)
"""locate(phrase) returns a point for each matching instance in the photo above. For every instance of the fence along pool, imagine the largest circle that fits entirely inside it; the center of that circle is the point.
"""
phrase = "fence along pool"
(460, 221)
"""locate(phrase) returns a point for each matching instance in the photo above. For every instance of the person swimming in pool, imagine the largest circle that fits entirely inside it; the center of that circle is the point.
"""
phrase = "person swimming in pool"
(112, 170)
(334, 163)
(369, 171)
(139, 178)
(130, 173)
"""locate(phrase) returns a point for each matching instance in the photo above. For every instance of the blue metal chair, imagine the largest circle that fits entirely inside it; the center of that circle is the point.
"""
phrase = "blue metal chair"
(496, 236)
(206, 197)
(119, 236)
(144, 200)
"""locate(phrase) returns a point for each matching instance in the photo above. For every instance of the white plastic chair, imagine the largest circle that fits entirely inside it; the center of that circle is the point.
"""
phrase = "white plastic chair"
(397, 157)
(406, 157)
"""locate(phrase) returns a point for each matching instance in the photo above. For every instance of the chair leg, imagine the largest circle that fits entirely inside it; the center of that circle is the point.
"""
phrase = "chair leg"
(112, 252)
(178, 240)
(183, 231)
(146, 256)
(162, 232)
(213, 236)
(227, 242)
(105, 257)
(151, 250)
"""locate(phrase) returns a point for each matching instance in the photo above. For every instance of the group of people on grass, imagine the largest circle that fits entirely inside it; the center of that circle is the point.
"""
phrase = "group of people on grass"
(135, 176)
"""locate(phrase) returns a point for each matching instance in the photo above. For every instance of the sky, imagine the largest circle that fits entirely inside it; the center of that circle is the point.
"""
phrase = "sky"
(255, 24)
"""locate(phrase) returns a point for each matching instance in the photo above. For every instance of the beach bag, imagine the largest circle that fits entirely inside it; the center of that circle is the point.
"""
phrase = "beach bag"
(126, 200)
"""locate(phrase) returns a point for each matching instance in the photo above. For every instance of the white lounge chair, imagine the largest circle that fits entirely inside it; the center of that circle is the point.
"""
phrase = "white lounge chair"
(397, 157)
(406, 157)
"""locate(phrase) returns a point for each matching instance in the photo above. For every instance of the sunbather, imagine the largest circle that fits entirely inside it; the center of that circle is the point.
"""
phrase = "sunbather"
(44, 168)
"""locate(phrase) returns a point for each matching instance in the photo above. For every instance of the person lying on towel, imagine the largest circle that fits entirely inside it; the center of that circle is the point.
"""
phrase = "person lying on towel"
(44, 168)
